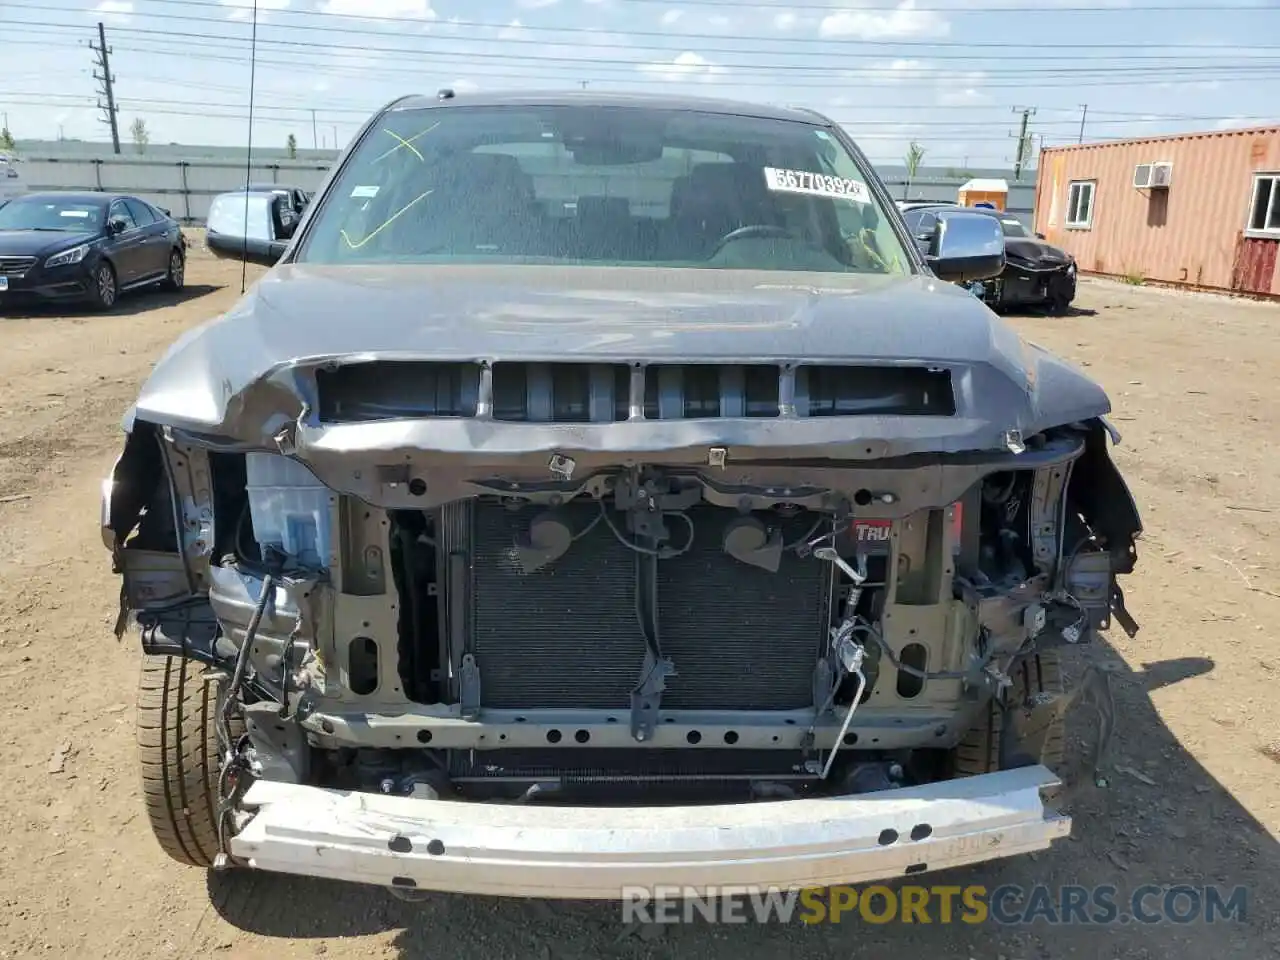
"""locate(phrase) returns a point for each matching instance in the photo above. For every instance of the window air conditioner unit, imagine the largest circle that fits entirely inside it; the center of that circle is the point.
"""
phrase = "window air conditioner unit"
(1142, 176)
(1162, 174)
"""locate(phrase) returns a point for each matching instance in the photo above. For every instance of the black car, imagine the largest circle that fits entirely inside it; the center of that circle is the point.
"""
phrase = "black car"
(1035, 274)
(86, 247)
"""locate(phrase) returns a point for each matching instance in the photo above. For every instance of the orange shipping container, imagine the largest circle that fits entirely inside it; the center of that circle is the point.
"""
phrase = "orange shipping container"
(1197, 209)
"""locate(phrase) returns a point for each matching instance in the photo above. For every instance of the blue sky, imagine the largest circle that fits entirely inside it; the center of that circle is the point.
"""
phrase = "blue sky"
(946, 73)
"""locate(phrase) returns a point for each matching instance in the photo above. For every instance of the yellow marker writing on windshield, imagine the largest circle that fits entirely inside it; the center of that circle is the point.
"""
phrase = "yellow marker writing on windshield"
(405, 143)
(357, 244)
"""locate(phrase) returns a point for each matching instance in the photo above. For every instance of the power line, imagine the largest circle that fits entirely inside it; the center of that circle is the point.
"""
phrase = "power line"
(1232, 52)
(1178, 67)
(1031, 8)
(199, 108)
(106, 80)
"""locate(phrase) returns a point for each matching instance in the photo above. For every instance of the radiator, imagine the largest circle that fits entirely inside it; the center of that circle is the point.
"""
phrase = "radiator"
(568, 635)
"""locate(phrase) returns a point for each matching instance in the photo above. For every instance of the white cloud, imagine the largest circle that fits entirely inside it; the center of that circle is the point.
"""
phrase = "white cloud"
(243, 9)
(1237, 123)
(784, 21)
(685, 66)
(118, 11)
(904, 20)
(671, 16)
(464, 86)
(374, 9)
(892, 71)
(512, 31)
(963, 90)
(536, 4)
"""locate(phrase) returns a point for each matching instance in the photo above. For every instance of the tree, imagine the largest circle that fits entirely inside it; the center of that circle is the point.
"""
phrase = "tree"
(291, 145)
(6, 140)
(915, 153)
(141, 136)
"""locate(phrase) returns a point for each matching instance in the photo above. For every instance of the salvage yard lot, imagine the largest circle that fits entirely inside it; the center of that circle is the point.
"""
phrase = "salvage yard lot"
(1194, 793)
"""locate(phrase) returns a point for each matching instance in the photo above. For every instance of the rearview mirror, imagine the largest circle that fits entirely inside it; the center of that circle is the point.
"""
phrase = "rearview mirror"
(966, 246)
(245, 226)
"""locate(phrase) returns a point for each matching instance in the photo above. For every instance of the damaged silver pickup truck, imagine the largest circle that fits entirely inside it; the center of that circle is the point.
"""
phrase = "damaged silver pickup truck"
(605, 491)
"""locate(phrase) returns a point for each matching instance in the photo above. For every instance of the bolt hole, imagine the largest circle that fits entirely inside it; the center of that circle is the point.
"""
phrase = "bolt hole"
(693, 736)
(862, 497)
(417, 486)
(582, 736)
(435, 848)
(424, 736)
(610, 719)
(553, 736)
(520, 719)
(731, 737)
(920, 831)
(850, 739)
(887, 837)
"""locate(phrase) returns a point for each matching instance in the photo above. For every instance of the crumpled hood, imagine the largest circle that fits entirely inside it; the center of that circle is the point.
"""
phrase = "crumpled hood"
(238, 376)
(1036, 251)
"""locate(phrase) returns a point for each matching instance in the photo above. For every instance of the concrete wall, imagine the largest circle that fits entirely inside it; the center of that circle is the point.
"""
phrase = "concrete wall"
(184, 185)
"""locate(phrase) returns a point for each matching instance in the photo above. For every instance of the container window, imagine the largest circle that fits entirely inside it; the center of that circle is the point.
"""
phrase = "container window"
(1264, 211)
(1080, 204)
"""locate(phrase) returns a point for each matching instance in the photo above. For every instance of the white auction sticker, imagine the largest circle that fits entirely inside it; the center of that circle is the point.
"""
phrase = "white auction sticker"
(365, 191)
(816, 184)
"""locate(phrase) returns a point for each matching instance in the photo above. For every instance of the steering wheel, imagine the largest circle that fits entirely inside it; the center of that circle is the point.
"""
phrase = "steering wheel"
(752, 230)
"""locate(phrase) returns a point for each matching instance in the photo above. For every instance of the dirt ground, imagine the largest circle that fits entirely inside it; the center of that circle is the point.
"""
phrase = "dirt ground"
(1195, 798)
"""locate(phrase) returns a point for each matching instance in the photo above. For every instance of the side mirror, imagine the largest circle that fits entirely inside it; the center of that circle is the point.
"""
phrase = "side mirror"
(115, 226)
(966, 246)
(243, 226)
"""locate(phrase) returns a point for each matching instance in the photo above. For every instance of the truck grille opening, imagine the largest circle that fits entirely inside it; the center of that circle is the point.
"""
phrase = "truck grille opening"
(392, 389)
(618, 392)
(561, 392)
(869, 390)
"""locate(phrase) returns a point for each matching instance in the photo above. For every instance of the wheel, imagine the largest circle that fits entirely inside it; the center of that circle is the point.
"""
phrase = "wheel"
(979, 751)
(177, 271)
(102, 287)
(178, 754)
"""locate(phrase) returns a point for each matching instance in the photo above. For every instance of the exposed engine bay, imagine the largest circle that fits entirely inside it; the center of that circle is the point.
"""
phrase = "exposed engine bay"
(653, 633)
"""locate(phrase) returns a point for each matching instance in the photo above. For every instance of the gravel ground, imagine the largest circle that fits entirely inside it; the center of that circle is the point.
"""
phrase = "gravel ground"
(1195, 797)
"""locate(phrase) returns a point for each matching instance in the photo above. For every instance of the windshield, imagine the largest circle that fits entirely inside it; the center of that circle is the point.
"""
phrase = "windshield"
(1013, 227)
(625, 186)
(69, 216)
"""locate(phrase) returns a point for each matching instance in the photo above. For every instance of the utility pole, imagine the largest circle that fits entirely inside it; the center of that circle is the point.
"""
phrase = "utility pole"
(106, 81)
(1027, 114)
(315, 140)
(1084, 112)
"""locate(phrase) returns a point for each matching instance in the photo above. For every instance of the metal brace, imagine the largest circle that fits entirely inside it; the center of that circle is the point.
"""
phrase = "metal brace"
(647, 695)
(469, 687)
(562, 466)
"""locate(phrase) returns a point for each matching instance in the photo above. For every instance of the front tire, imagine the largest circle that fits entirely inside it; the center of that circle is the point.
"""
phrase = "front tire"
(103, 291)
(176, 276)
(178, 754)
(979, 751)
